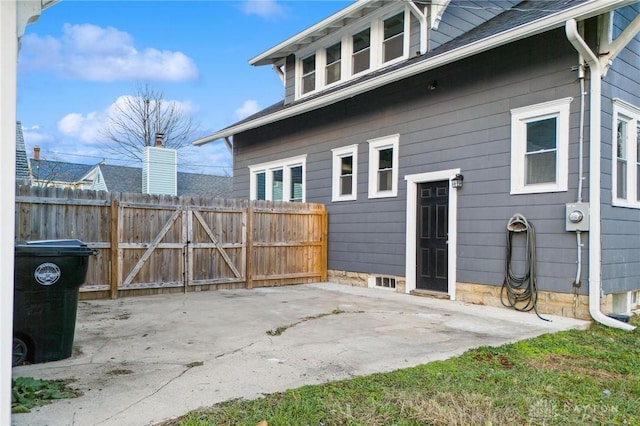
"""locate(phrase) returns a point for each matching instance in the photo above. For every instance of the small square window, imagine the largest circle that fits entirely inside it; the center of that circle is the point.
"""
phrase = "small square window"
(381, 281)
(540, 147)
(383, 167)
(345, 173)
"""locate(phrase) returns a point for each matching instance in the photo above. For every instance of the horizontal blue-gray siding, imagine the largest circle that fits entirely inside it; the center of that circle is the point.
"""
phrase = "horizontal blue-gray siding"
(620, 225)
(464, 124)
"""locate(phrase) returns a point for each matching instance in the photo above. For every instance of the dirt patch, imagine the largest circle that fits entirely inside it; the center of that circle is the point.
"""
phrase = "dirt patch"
(571, 364)
(501, 359)
(119, 372)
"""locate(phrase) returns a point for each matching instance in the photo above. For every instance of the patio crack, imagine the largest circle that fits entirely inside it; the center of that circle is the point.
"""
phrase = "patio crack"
(278, 331)
(188, 366)
(235, 351)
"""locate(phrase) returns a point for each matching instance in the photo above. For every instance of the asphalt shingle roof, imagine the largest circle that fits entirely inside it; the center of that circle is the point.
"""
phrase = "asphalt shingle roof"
(22, 163)
(129, 179)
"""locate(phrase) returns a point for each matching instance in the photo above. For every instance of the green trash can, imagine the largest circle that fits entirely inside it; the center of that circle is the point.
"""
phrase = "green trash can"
(47, 278)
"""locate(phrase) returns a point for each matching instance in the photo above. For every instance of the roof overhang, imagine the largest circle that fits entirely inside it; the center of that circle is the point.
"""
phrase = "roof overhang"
(581, 11)
(333, 23)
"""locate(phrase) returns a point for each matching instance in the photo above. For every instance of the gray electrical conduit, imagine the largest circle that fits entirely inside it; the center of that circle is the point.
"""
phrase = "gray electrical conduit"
(520, 291)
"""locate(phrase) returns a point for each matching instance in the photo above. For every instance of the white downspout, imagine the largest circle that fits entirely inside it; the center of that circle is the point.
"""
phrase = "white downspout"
(595, 249)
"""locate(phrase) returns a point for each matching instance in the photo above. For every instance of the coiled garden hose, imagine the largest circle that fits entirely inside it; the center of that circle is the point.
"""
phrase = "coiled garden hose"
(520, 291)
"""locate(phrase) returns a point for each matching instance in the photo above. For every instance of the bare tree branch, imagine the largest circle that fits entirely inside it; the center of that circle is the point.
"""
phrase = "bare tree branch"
(135, 120)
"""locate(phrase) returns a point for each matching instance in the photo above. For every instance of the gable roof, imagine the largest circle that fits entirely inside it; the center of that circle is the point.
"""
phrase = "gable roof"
(524, 20)
(58, 171)
(22, 163)
(128, 179)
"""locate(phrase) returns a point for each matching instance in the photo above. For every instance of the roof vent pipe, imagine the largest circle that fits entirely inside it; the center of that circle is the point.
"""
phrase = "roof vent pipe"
(595, 253)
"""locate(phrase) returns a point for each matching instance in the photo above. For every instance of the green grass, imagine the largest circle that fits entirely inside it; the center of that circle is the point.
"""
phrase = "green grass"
(577, 377)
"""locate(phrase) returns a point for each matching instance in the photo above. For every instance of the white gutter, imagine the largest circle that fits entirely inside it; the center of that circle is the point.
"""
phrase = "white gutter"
(595, 111)
(584, 10)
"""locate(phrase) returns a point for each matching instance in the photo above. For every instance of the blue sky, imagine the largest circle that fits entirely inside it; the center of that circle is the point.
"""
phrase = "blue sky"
(80, 57)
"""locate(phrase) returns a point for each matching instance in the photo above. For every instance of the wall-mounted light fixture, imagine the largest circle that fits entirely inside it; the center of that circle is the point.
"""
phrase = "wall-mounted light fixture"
(456, 182)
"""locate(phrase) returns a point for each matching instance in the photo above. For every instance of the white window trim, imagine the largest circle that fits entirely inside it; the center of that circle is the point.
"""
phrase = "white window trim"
(286, 165)
(300, 74)
(560, 109)
(375, 145)
(406, 34)
(338, 154)
(631, 114)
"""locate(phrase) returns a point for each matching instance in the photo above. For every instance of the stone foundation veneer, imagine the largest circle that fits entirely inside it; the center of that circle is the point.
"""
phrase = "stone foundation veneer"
(551, 303)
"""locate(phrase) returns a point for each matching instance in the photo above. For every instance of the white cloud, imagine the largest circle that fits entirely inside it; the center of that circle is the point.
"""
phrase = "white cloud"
(34, 136)
(248, 108)
(90, 52)
(263, 8)
(85, 128)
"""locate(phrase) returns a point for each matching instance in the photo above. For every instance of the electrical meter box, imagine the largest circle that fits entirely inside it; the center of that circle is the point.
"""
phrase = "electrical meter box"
(577, 217)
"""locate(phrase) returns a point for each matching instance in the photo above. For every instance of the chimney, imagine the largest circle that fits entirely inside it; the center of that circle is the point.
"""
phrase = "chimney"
(159, 137)
(36, 153)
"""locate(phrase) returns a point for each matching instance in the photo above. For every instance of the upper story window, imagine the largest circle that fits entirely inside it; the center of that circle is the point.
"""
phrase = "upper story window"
(383, 167)
(309, 74)
(361, 51)
(282, 180)
(626, 155)
(393, 44)
(354, 50)
(540, 147)
(334, 63)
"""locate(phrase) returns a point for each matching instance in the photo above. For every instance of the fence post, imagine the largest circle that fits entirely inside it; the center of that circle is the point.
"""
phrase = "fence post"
(115, 272)
(249, 245)
(325, 245)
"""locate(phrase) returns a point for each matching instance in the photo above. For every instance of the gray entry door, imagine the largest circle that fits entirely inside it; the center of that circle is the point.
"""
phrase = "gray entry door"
(432, 229)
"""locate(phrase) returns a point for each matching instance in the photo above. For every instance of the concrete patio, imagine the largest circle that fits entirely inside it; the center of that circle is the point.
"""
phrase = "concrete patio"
(138, 361)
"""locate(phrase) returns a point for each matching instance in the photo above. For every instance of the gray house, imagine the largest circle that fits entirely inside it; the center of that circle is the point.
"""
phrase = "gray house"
(460, 146)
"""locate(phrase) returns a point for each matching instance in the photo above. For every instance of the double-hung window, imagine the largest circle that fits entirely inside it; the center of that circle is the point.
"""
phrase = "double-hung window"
(309, 74)
(626, 154)
(361, 57)
(393, 43)
(540, 147)
(279, 180)
(383, 166)
(334, 62)
(345, 173)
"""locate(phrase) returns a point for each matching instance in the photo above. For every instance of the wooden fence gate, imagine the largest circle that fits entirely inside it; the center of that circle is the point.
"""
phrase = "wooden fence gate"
(156, 244)
(163, 246)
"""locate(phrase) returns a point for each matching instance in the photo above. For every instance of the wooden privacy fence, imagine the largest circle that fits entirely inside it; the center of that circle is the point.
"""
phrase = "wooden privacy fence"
(148, 244)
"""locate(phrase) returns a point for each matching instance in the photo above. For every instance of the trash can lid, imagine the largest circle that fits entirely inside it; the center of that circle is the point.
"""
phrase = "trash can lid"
(52, 247)
(64, 243)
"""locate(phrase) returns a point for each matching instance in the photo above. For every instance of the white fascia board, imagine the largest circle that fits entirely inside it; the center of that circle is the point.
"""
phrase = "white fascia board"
(582, 11)
(263, 58)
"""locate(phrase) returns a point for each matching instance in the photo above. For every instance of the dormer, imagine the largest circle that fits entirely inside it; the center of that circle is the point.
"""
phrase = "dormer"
(363, 38)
